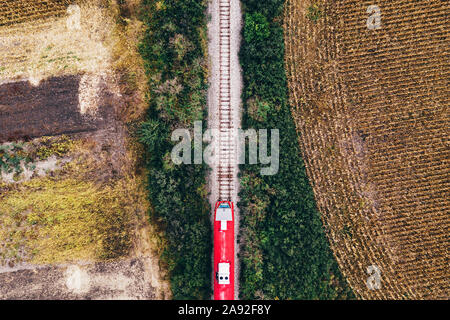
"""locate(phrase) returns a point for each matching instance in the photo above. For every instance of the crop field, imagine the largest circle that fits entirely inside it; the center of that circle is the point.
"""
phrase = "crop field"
(370, 99)
(18, 11)
(57, 41)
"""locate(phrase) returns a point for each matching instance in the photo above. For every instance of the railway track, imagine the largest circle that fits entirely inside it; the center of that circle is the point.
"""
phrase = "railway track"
(224, 113)
(227, 148)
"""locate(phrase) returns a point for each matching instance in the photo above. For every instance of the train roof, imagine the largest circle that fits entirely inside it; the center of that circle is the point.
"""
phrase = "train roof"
(224, 214)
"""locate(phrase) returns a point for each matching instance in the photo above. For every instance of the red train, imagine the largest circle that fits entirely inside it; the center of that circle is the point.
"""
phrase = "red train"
(224, 251)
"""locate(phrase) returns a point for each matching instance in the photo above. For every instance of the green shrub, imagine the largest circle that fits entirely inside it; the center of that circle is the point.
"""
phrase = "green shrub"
(12, 156)
(256, 27)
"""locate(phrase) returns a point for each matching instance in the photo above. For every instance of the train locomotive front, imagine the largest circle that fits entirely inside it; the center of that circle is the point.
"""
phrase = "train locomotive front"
(224, 251)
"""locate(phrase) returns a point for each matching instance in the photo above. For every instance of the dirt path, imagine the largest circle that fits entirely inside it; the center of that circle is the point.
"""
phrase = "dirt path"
(224, 105)
(122, 279)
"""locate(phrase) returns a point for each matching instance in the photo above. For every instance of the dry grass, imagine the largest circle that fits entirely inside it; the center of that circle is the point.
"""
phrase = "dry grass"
(79, 212)
(371, 107)
(127, 62)
(60, 220)
(48, 47)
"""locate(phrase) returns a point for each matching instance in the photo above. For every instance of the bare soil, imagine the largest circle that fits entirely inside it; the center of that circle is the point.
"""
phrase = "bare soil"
(124, 279)
(51, 108)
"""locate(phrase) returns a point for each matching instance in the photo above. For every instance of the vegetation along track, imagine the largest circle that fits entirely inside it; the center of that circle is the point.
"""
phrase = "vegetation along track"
(371, 107)
(174, 50)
